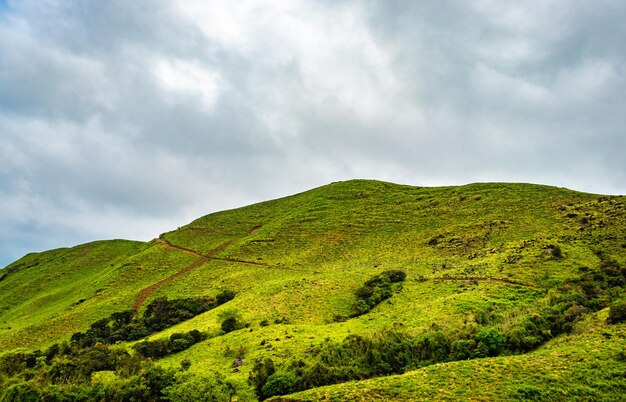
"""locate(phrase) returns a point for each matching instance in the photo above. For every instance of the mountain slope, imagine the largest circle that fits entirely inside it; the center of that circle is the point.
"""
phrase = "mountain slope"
(489, 255)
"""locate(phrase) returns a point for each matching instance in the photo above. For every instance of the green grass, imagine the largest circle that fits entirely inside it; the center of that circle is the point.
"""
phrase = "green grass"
(314, 250)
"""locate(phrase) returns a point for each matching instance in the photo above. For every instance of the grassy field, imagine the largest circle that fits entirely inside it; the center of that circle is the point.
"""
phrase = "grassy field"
(482, 254)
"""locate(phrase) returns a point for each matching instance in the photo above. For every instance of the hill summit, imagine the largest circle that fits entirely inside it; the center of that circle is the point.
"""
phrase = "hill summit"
(355, 290)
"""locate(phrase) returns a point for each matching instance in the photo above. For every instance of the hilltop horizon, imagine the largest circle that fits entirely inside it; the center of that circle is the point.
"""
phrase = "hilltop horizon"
(6, 261)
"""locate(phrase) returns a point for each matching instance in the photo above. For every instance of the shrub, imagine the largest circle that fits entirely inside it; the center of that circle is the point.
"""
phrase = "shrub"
(279, 383)
(262, 370)
(128, 366)
(159, 315)
(52, 351)
(528, 393)
(177, 342)
(22, 392)
(365, 292)
(192, 388)
(224, 296)
(555, 252)
(375, 290)
(12, 363)
(380, 294)
(179, 345)
(574, 312)
(490, 342)
(320, 374)
(163, 313)
(229, 324)
(617, 313)
(156, 379)
(520, 340)
(241, 352)
(395, 275)
(230, 320)
(361, 307)
(462, 349)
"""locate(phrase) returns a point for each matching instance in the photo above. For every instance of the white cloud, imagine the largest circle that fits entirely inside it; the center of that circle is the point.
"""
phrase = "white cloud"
(185, 78)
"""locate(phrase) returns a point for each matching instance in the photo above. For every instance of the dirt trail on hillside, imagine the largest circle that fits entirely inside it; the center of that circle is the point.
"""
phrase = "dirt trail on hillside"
(484, 279)
(143, 295)
(170, 246)
(202, 258)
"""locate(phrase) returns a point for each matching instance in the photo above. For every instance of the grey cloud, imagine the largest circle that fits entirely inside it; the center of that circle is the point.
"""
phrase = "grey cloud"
(537, 99)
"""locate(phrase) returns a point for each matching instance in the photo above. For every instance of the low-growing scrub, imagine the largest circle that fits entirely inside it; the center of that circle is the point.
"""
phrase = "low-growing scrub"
(159, 315)
(65, 371)
(148, 383)
(177, 342)
(617, 313)
(230, 320)
(390, 352)
(376, 290)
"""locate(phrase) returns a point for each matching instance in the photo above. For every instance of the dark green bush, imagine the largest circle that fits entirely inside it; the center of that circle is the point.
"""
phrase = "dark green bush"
(528, 393)
(375, 290)
(229, 324)
(185, 364)
(159, 315)
(162, 347)
(489, 342)
(555, 252)
(395, 275)
(52, 351)
(320, 374)
(617, 313)
(231, 320)
(279, 383)
(224, 296)
(262, 370)
(13, 363)
(521, 340)
(462, 349)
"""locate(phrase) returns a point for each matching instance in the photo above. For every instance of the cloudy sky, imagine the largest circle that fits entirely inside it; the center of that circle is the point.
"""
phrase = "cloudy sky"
(125, 119)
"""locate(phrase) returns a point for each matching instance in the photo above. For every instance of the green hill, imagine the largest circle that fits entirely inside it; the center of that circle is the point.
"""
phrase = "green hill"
(516, 270)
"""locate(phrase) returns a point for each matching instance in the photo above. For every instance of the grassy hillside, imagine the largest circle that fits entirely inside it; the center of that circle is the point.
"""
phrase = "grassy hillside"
(46, 297)
(482, 256)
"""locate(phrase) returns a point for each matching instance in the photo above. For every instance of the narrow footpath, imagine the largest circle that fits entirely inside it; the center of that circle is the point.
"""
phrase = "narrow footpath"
(202, 258)
(483, 279)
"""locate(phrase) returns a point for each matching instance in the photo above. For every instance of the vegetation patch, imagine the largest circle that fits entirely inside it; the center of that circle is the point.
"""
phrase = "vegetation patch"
(64, 371)
(177, 342)
(376, 290)
(392, 352)
(617, 313)
(159, 315)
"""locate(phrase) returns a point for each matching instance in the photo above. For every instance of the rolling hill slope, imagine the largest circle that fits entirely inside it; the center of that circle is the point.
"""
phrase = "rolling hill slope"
(489, 256)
